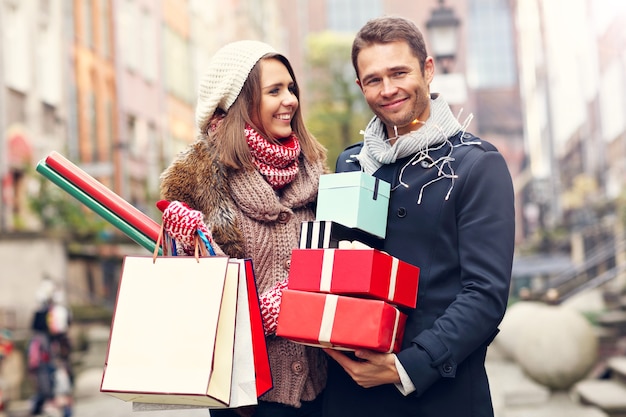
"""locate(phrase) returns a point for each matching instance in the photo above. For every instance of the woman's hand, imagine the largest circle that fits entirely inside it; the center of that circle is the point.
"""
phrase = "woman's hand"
(183, 223)
(270, 306)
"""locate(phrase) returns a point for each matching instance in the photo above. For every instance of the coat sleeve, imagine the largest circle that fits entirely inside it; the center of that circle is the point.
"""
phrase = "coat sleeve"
(485, 222)
(347, 161)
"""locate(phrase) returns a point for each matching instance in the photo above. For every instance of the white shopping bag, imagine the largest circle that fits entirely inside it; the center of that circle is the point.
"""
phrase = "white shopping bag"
(243, 386)
(172, 335)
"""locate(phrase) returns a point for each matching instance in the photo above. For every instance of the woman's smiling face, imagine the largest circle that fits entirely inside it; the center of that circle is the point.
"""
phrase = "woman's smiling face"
(278, 99)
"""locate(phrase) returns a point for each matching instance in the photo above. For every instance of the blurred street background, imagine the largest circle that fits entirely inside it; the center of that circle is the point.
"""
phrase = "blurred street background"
(110, 85)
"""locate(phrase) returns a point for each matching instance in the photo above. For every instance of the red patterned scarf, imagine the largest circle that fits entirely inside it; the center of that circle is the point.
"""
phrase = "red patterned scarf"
(277, 163)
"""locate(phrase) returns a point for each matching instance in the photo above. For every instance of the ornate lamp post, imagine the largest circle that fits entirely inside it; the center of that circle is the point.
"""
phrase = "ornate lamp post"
(442, 32)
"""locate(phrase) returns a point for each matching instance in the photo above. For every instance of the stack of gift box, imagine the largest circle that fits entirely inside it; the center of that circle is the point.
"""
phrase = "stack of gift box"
(344, 292)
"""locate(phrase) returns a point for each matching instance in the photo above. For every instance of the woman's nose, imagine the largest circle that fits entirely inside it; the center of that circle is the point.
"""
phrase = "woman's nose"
(290, 99)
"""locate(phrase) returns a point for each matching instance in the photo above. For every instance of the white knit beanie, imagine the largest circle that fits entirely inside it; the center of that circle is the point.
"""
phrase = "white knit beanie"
(224, 78)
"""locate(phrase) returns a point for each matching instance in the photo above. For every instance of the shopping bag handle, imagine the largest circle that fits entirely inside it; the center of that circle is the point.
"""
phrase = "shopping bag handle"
(199, 248)
(158, 244)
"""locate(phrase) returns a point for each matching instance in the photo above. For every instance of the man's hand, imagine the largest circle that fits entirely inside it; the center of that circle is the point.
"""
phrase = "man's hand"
(374, 368)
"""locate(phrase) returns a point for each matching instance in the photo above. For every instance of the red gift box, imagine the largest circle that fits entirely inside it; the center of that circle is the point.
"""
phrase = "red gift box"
(340, 322)
(358, 272)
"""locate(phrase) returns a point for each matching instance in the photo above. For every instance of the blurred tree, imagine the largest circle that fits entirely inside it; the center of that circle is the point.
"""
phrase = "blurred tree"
(62, 215)
(337, 111)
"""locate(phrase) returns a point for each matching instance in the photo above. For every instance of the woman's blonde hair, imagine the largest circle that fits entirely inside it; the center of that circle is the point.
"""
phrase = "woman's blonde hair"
(229, 136)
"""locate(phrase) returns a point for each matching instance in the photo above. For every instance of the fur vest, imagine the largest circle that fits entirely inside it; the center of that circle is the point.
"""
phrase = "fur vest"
(248, 219)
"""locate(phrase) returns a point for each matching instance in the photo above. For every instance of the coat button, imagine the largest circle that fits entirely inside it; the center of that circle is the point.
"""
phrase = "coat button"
(447, 368)
(283, 217)
(288, 264)
(297, 367)
(401, 212)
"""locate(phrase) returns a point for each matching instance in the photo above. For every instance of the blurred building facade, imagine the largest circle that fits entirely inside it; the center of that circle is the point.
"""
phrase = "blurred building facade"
(573, 89)
(111, 85)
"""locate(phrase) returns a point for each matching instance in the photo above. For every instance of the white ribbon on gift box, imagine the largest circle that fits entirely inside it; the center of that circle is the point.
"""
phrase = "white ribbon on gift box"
(396, 325)
(393, 278)
(328, 260)
(328, 320)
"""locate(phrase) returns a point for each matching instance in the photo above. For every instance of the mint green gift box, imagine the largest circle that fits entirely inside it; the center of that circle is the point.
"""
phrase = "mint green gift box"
(354, 199)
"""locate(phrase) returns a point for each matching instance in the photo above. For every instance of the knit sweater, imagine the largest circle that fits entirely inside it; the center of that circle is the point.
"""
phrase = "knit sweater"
(248, 219)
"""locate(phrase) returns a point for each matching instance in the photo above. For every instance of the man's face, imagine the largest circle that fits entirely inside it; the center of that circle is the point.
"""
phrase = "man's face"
(393, 85)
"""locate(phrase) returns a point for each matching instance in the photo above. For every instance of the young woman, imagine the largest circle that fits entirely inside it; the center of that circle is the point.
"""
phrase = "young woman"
(248, 182)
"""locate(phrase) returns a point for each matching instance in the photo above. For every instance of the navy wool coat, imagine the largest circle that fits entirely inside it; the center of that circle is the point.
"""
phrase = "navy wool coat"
(463, 243)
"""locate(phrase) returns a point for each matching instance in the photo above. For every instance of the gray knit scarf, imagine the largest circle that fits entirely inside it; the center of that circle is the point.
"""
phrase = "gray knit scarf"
(434, 133)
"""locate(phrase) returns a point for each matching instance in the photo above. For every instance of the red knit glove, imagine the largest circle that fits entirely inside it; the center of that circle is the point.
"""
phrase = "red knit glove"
(270, 306)
(182, 223)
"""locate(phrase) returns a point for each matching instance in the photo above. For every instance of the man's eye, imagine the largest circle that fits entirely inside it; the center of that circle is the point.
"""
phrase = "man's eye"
(399, 74)
(372, 81)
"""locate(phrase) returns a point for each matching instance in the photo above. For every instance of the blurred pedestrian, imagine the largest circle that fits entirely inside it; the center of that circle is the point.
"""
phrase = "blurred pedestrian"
(6, 347)
(59, 320)
(39, 355)
(63, 387)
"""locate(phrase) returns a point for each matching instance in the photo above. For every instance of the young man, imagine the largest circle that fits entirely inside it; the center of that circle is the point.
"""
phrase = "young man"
(451, 213)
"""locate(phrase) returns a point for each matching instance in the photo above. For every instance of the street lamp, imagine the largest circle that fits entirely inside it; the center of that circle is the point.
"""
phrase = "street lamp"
(442, 31)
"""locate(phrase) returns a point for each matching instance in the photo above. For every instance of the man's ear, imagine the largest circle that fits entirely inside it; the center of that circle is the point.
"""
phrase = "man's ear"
(358, 82)
(429, 69)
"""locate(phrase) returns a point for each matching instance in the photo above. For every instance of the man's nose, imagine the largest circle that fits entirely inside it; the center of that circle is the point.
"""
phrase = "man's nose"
(388, 86)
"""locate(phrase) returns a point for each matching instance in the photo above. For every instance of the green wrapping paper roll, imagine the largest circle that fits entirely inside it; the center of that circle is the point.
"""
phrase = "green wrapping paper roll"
(98, 208)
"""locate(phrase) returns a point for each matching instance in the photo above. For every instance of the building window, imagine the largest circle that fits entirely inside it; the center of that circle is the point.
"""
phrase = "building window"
(105, 33)
(131, 133)
(149, 42)
(152, 153)
(128, 22)
(491, 53)
(16, 107)
(88, 23)
(93, 128)
(14, 35)
(49, 118)
(109, 129)
(178, 66)
(350, 15)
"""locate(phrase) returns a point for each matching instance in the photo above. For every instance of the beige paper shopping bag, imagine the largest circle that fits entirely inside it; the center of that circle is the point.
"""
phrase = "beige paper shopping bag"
(165, 336)
(243, 386)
